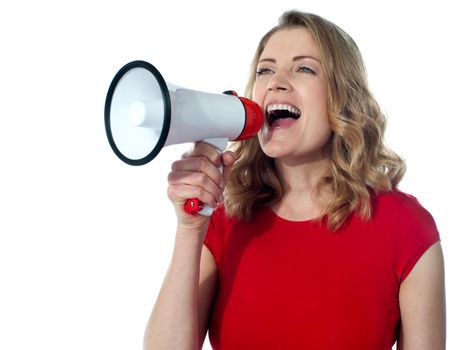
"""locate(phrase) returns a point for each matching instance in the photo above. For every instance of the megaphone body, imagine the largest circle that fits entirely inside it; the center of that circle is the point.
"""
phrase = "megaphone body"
(143, 114)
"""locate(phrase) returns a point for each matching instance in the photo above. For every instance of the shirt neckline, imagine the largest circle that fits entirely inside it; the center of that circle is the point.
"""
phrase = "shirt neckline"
(271, 212)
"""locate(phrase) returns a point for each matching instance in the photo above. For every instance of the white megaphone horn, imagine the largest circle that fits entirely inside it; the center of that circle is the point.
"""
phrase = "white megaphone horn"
(143, 114)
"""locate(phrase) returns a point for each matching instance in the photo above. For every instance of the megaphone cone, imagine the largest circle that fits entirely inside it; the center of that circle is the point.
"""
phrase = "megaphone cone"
(133, 85)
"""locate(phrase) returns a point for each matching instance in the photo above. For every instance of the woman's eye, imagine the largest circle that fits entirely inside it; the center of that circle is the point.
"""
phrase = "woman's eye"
(305, 69)
(263, 71)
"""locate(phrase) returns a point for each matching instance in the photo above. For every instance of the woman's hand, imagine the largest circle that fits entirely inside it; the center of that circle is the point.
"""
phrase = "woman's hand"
(197, 175)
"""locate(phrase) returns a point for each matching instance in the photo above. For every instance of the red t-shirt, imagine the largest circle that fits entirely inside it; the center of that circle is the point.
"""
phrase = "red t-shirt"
(297, 285)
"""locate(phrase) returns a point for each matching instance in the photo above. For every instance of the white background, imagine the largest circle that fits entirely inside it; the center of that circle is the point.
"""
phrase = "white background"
(85, 239)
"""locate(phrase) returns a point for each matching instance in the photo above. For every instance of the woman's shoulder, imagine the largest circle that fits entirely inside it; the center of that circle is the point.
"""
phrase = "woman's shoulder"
(401, 210)
(222, 226)
(395, 199)
(411, 226)
(394, 196)
(396, 206)
(220, 215)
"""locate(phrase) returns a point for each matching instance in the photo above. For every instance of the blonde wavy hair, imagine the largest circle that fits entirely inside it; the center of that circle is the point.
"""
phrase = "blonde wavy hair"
(360, 161)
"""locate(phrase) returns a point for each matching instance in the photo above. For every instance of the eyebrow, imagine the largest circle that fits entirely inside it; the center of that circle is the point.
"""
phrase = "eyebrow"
(296, 58)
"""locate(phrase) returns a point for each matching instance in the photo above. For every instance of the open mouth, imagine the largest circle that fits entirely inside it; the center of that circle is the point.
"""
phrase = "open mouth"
(275, 112)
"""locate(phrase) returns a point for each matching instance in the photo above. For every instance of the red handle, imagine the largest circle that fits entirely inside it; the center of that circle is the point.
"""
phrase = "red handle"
(193, 206)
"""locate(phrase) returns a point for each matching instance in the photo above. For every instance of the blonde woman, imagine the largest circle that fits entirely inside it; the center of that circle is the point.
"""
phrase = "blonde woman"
(311, 245)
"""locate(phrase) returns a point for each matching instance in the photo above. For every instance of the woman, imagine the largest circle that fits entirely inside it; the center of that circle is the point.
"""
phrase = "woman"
(313, 246)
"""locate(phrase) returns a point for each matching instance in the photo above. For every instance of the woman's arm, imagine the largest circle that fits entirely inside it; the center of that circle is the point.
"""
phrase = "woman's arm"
(207, 290)
(181, 312)
(180, 315)
(422, 304)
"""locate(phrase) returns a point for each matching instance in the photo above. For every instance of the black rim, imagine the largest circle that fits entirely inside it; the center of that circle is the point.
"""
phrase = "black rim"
(166, 110)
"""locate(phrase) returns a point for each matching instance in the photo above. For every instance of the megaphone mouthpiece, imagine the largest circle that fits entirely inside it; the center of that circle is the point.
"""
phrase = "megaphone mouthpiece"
(253, 120)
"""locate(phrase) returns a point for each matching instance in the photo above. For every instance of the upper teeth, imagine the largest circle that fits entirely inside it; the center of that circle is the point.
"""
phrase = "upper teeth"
(289, 108)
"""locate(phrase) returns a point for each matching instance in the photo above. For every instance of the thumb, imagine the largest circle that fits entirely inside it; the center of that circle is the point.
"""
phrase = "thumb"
(228, 159)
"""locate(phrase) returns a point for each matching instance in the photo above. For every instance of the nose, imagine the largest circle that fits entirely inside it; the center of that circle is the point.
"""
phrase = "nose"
(279, 82)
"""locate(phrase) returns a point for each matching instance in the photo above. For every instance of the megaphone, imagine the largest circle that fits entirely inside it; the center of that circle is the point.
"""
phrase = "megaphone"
(143, 114)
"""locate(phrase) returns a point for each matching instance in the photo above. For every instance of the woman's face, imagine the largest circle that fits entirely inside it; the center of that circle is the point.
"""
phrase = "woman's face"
(292, 90)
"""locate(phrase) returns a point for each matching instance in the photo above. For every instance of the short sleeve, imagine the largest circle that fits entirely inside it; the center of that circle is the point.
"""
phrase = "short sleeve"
(416, 232)
(215, 233)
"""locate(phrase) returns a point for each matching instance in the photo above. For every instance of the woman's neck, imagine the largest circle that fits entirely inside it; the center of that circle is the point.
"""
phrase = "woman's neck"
(305, 194)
